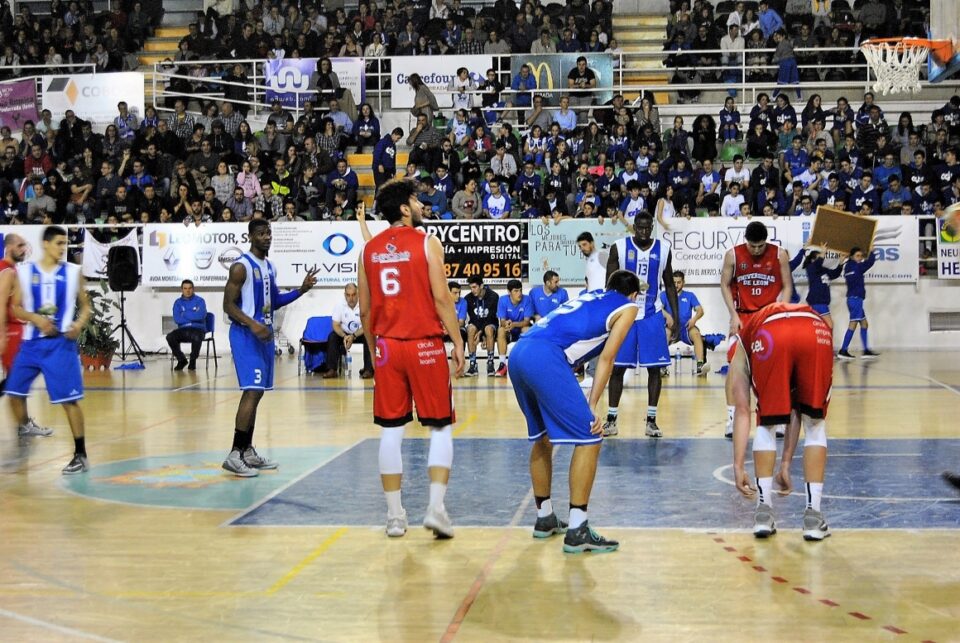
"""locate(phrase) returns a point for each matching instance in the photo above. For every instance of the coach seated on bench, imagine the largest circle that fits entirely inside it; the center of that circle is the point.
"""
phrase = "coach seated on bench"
(190, 315)
(346, 331)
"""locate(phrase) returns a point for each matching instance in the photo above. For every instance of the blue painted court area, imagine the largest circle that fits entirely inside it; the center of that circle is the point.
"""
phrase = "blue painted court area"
(640, 483)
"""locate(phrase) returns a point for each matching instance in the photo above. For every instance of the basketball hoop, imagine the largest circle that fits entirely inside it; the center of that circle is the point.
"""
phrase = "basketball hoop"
(896, 61)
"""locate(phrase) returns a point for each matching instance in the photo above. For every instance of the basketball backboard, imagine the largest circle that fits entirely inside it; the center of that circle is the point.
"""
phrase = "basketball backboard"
(944, 24)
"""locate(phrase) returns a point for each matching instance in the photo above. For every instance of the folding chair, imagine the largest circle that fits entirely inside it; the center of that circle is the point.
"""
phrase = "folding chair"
(313, 343)
(210, 339)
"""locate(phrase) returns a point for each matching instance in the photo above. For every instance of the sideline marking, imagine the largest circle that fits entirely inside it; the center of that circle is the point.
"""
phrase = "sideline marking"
(62, 629)
(303, 564)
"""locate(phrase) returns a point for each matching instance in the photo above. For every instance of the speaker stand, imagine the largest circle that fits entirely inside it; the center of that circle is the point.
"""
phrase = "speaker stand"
(125, 333)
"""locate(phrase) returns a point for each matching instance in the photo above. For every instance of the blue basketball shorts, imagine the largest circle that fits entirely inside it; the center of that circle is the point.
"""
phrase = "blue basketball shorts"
(821, 309)
(58, 359)
(855, 307)
(645, 344)
(252, 358)
(549, 395)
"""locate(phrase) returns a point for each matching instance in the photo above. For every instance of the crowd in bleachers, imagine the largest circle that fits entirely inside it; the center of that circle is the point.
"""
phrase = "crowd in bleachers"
(493, 154)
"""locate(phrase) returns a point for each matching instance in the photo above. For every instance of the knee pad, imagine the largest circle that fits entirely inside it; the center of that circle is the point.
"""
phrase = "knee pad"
(765, 439)
(391, 460)
(441, 448)
(814, 432)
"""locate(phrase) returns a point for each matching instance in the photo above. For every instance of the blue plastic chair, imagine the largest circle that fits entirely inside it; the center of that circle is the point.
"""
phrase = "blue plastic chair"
(314, 340)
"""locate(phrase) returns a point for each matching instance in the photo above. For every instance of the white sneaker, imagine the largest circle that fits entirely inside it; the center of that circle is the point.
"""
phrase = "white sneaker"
(397, 527)
(728, 431)
(586, 382)
(438, 521)
(30, 429)
(235, 465)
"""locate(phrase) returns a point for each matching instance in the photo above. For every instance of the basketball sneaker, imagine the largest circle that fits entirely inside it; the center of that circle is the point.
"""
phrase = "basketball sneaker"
(728, 431)
(703, 369)
(502, 370)
(31, 429)
(653, 431)
(235, 465)
(814, 526)
(842, 354)
(610, 428)
(257, 461)
(490, 370)
(548, 526)
(952, 479)
(583, 540)
(78, 464)
(781, 431)
(587, 382)
(397, 527)
(438, 521)
(868, 354)
(471, 370)
(763, 523)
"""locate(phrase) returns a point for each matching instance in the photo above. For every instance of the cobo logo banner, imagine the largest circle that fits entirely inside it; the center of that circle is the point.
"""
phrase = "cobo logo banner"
(93, 97)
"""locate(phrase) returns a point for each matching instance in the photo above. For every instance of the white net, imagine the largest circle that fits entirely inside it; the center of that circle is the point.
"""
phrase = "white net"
(896, 64)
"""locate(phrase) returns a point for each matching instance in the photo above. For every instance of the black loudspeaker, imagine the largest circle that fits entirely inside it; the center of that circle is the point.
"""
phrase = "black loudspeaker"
(123, 272)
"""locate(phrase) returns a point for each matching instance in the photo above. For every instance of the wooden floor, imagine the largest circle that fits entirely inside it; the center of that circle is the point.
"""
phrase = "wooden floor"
(151, 546)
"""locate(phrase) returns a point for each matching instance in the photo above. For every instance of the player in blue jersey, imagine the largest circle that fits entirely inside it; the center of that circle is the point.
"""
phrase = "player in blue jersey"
(686, 322)
(515, 312)
(549, 296)
(50, 298)
(853, 271)
(461, 306)
(646, 346)
(818, 280)
(250, 298)
(555, 409)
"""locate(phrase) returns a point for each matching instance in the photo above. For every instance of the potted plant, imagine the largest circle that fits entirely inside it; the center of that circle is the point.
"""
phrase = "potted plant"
(97, 343)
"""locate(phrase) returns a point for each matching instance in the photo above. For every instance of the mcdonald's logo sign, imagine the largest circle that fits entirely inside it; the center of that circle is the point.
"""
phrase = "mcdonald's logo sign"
(542, 68)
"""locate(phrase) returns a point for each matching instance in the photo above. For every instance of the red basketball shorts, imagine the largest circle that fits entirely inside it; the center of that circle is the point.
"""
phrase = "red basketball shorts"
(791, 365)
(14, 339)
(732, 348)
(408, 373)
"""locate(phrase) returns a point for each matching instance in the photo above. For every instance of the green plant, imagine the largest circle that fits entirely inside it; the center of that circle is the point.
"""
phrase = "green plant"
(96, 338)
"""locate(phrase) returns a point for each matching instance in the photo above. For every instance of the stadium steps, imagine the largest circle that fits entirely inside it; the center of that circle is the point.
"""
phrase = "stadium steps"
(162, 45)
(642, 33)
(362, 164)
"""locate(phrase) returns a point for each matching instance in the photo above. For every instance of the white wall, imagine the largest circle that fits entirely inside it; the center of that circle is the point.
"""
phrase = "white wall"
(898, 313)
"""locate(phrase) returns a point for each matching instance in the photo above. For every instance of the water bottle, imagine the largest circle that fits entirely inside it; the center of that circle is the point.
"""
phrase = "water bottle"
(349, 364)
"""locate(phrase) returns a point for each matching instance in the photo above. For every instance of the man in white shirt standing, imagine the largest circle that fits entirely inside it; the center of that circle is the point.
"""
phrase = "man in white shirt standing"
(346, 332)
(596, 280)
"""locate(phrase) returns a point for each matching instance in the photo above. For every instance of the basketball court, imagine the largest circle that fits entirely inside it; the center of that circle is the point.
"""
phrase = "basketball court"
(157, 543)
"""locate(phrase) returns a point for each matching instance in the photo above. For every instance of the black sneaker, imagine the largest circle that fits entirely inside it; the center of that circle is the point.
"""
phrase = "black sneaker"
(583, 539)
(192, 366)
(181, 364)
(471, 370)
(844, 355)
(868, 354)
(490, 369)
(549, 526)
(79, 464)
(653, 431)
(952, 479)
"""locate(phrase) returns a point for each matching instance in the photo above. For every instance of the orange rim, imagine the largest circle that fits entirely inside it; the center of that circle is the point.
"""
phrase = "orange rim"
(941, 49)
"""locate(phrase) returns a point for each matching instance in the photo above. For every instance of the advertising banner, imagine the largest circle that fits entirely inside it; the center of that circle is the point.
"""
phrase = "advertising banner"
(436, 73)
(550, 71)
(95, 253)
(32, 234)
(93, 97)
(173, 252)
(698, 246)
(948, 246)
(495, 250)
(18, 103)
(285, 77)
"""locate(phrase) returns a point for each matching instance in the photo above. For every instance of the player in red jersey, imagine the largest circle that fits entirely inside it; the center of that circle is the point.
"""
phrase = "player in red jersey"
(785, 352)
(406, 309)
(754, 274)
(11, 328)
